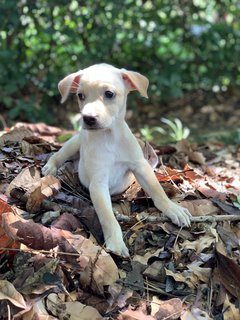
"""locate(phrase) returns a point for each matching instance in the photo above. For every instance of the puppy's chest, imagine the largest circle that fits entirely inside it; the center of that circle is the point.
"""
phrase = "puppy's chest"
(104, 161)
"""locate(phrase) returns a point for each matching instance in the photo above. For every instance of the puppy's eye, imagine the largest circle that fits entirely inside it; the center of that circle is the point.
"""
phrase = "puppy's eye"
(109, 94)
(81, 96)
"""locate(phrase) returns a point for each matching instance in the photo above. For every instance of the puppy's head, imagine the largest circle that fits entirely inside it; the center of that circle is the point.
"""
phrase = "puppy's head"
(102, 91)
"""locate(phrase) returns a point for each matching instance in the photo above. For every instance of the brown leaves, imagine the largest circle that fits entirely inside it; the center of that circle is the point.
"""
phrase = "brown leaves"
(5, 240)
(229, 271)
(170, 309)
(60, 270)
(97, 267)
(7, 291)
(36, 189)
(184, 147)
(32, 234)
(71, 310)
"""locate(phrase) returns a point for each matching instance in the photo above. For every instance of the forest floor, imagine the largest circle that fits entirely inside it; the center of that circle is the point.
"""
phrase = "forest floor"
(53, 263)
(207, 115)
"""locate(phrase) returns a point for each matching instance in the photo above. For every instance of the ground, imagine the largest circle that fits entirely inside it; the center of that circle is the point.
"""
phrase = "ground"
(53, 262)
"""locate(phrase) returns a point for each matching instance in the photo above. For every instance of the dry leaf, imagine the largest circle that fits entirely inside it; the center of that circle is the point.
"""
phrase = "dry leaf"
(30, 149)
(202, 243)
(67, 221)
(32, 234)
(99, 269)
(5, 240)
(25, 178)
(200, 207)
(39, 190)
(180, 277)
(150, 154)
(8, 291)
(134, 315)
(169, 309)
(211, 193)
(231, 311)
(15, 135)
(195, 314)
(37, 311)
(40, 128)
(71, 310)
(229, 271)
(194, 156)
(118, 295)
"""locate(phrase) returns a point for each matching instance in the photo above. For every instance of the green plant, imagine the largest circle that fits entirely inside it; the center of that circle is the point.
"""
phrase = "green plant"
(177, 131)
(148, 133)
(237, 202)
(75, 119)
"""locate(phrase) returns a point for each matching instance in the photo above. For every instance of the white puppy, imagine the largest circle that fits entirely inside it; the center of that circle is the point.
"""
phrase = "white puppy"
(110, 155)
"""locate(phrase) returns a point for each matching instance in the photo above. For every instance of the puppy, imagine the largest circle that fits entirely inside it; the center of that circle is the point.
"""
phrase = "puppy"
(110, 156)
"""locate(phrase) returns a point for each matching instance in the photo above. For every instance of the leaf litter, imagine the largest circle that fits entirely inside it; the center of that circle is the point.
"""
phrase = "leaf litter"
(53, 263)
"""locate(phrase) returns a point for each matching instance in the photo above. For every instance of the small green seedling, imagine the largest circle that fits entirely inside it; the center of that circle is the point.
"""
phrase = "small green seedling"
(177, 130)
(148, 132)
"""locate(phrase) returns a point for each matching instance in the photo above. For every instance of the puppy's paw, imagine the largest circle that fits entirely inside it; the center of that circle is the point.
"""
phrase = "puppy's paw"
(117, 246)
(49, 169)
(178, 215)
(114, 241)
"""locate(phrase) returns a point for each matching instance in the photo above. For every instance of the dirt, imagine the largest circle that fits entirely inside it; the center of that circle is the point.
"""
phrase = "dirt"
(201, 112)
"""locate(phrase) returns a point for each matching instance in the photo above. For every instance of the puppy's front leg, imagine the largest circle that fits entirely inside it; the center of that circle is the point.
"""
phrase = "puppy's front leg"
(101, 200)
(69, 149)
(147, 179)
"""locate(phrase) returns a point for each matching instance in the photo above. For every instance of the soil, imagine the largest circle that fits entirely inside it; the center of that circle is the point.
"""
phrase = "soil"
(202, 112)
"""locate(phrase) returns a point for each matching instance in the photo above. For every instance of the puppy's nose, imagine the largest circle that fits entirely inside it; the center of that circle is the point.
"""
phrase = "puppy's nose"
(90, 120)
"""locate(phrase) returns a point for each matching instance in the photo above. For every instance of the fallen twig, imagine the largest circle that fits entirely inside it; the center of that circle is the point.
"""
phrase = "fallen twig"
(226, 217)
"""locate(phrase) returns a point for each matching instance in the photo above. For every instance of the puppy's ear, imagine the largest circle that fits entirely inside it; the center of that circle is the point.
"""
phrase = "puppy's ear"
(135, 81)
(69, 85)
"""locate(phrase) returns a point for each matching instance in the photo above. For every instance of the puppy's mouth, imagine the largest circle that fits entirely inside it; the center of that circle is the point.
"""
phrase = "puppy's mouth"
(86, 127)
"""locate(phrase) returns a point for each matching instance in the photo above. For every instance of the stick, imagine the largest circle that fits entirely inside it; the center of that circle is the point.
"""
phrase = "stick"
(225, 217)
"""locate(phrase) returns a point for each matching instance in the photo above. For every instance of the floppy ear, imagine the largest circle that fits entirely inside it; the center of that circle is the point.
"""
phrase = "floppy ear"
(135, 81)
(69, 85)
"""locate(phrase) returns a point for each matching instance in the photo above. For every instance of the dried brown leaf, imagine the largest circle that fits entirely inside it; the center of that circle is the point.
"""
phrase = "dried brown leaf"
(39, 190)
(30, 149)
(231, 312)
(98, 268)
(228, 208)
(24, 179)
(37, 312)
(40, 127)
(5, 240)
(8, 291)
(200, 207)
(15, 135)
(32, 234)
(195, 314)
(229, 271)
(71, 310)
(170, 309)
(199, 245)
(150, 155)
(67, 221)
(130, 314)
(210, 193)
(194, 156)
(119, 295)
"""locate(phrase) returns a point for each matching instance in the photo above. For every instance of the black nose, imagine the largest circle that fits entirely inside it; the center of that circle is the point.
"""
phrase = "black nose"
(90, 120)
